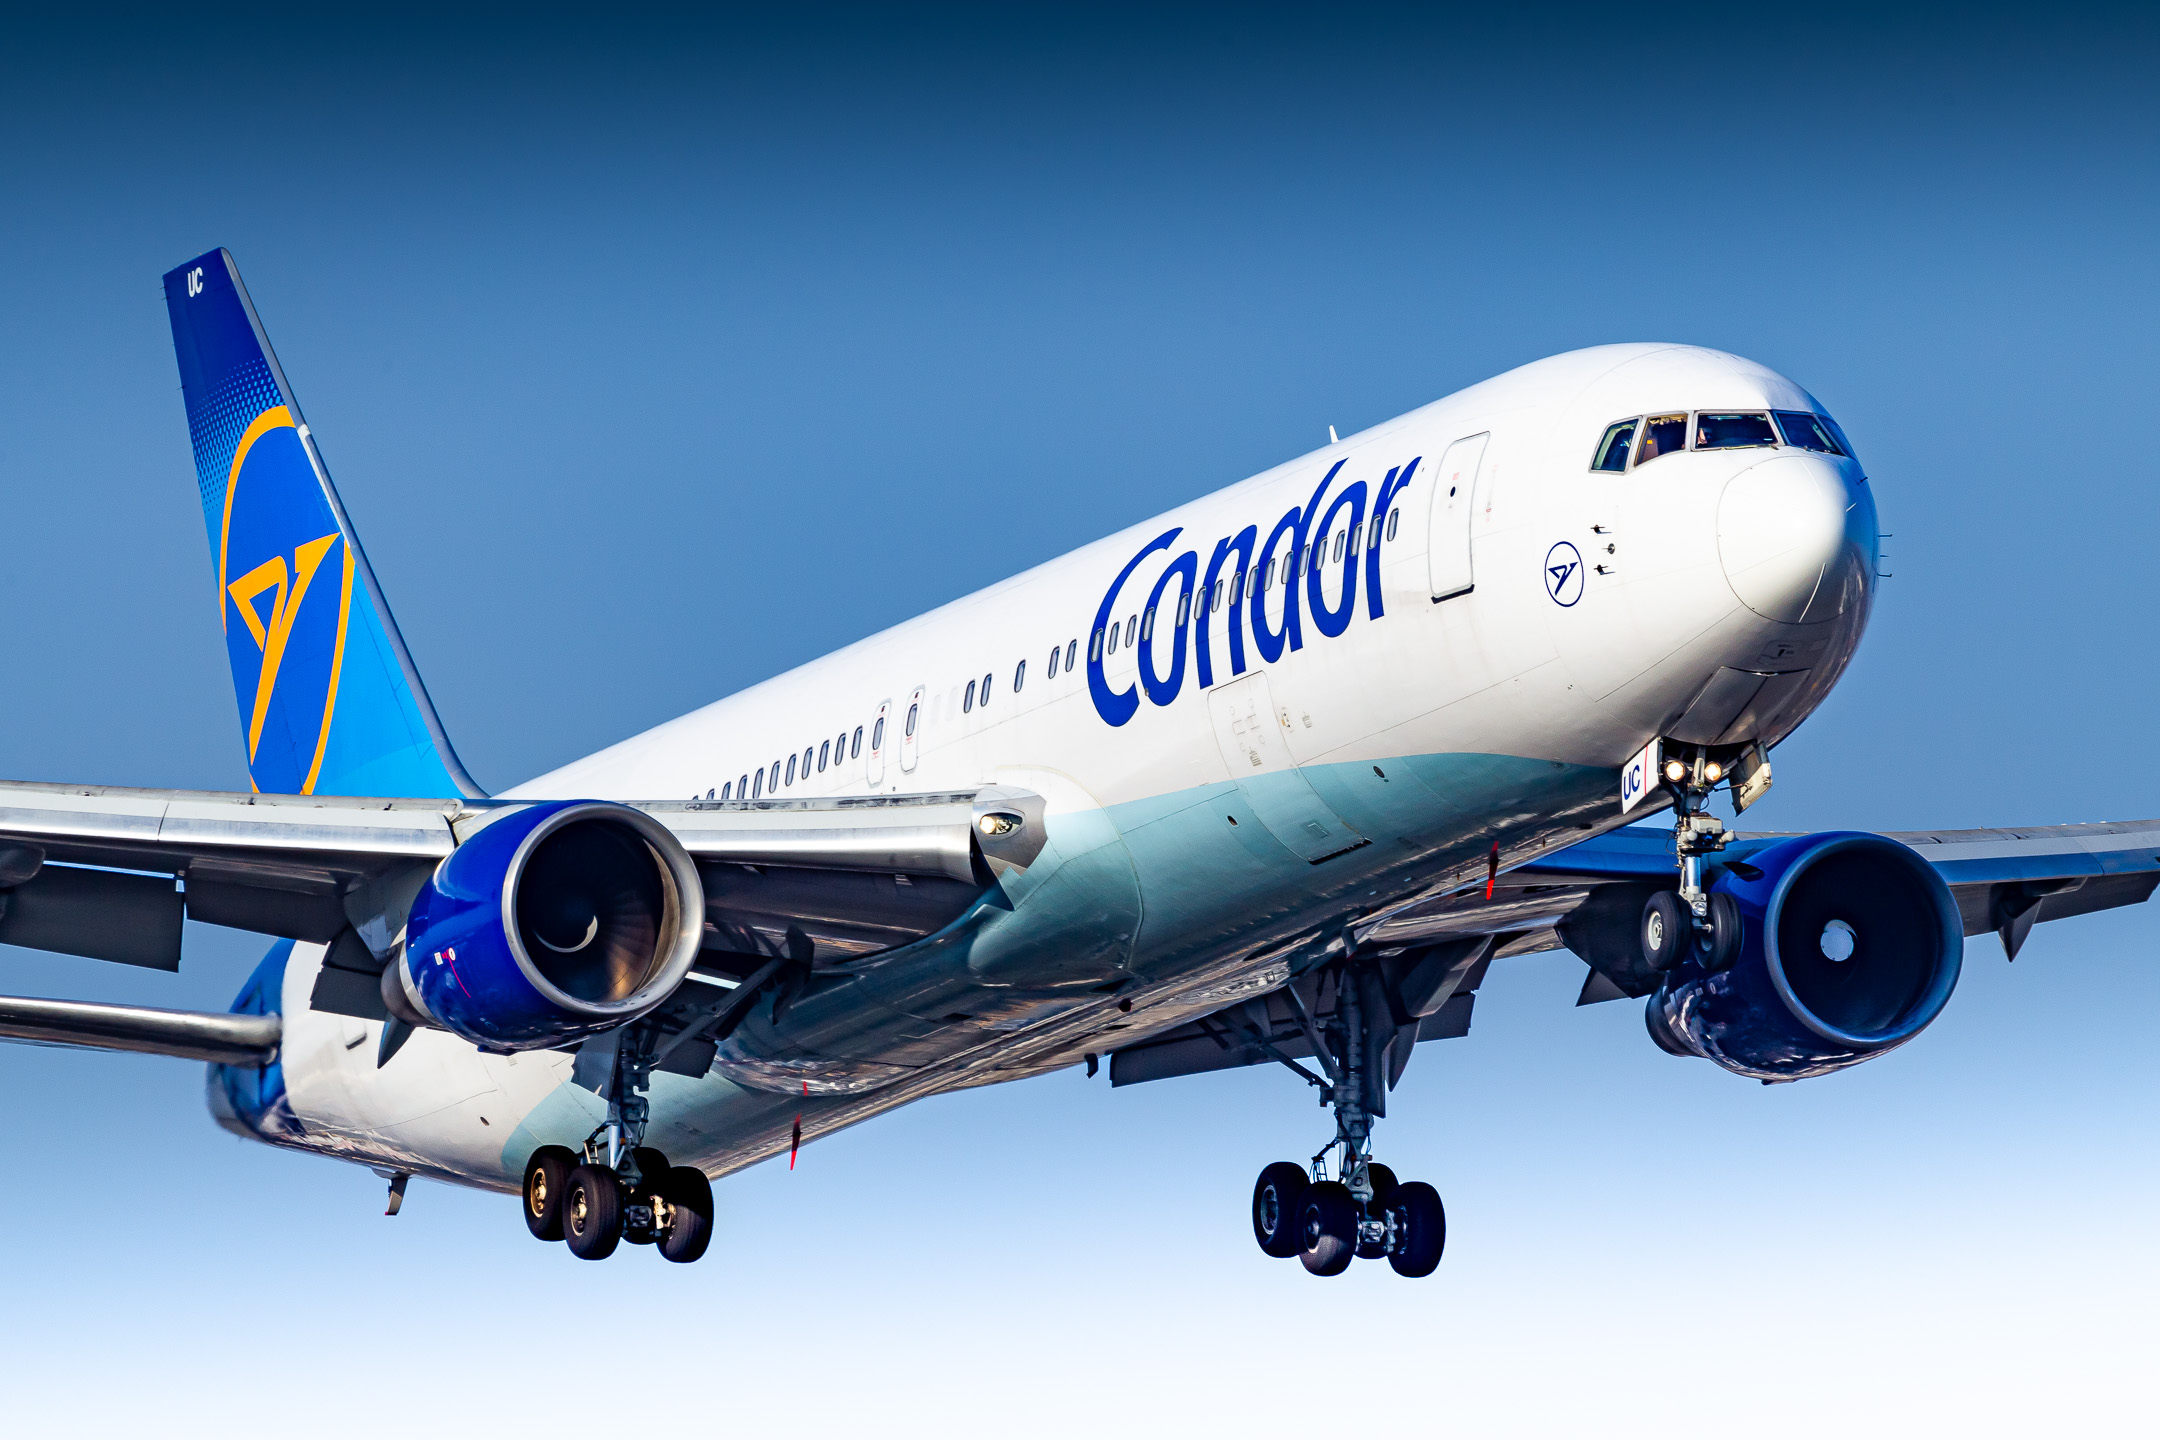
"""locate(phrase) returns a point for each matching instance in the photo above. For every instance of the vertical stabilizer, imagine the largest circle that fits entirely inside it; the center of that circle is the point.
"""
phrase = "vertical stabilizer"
(330, 703)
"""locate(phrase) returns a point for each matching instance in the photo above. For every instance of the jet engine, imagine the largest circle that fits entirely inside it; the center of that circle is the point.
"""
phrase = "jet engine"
(551, 923)
(1849, 945)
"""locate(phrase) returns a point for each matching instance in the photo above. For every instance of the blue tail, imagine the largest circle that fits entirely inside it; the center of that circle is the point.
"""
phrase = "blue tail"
(330, 703)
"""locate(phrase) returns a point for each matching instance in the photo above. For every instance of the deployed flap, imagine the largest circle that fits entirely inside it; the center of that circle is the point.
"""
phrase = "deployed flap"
(185, 1034)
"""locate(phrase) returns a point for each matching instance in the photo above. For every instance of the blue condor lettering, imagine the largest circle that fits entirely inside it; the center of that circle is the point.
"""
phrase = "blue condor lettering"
(1162, 692)
(1332, 623)
(1240, 545)
(1294, 525)
(1235, 565)
(1118, 706)
(1390, 490)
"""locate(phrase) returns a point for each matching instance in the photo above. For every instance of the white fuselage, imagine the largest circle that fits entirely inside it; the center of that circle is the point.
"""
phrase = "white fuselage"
(1711, 597)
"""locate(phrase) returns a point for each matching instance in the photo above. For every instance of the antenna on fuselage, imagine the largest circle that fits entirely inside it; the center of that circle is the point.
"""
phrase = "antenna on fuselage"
(1331, 436)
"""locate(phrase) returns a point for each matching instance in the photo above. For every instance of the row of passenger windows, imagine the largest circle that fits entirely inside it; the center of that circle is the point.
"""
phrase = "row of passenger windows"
(1235, 588)
(837, 751)
(814, 759)
(1653, 435)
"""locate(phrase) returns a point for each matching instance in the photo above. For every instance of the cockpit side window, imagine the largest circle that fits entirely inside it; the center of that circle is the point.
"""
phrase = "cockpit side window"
(1662, 435)
(1612, 450)
(1733, 431)
(1807, 432)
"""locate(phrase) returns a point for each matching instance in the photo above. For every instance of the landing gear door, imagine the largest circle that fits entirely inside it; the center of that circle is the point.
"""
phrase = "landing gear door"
(1249, 729)
(1455, 496)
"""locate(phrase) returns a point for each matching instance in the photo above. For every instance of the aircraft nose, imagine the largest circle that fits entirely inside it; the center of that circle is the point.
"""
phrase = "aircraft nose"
(1788, 530)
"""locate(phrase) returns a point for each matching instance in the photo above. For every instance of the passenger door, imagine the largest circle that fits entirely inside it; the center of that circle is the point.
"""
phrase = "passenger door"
(911, 729)
(1249, 729)
(874, 762)
(1456, 495)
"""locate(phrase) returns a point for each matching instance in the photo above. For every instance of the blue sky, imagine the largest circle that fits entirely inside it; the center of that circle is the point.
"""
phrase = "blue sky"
(653, 357)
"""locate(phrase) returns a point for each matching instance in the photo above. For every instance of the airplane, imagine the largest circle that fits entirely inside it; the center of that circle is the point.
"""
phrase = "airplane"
(1273, 778)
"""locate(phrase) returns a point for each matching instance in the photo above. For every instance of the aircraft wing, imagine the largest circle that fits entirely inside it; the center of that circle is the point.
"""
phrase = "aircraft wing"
(110, 873)
(1435, 951)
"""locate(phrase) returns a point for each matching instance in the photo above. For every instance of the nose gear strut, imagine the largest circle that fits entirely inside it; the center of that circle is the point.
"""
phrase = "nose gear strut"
(1704, 927)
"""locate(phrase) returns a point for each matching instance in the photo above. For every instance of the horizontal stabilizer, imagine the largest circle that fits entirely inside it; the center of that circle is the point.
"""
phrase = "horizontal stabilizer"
(185, 1034)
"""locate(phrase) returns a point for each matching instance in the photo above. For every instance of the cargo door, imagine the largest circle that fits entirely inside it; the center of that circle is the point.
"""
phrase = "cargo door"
(1249, 729)
(1456, 495)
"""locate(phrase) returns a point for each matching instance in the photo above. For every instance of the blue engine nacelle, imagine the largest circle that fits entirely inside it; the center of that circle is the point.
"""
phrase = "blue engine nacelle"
(1850, 944)
(550, 923)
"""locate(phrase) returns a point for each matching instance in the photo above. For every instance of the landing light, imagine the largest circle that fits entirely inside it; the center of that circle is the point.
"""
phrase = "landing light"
(998, 823)
(1713, 772)
(1675, 771)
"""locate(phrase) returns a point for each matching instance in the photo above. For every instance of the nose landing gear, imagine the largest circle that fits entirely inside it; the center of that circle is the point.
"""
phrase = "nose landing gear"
(1362, 1211)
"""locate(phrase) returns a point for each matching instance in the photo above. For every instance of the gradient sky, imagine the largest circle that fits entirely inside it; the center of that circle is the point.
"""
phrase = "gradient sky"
(655, 356)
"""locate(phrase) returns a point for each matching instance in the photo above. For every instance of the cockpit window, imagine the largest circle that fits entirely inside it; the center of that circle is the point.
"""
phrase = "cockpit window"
(1612, 450)
(1662, 435)
(1733, 431)
(1807, 432)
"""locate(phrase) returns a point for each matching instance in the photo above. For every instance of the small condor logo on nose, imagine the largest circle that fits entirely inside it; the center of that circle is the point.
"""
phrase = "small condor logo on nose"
(1563, 574)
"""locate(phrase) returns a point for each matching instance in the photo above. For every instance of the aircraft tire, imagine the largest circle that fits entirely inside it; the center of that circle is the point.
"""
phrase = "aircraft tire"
(547, 1177)
(1329, 1231)
(653, 1170)
(690, 1193)
(1667, 929)
(1278, 1207)
(1424, 1225)
(592, 1212)
(1384, 1186)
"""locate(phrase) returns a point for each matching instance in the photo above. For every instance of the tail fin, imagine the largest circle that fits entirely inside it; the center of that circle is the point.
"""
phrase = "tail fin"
(329, 700)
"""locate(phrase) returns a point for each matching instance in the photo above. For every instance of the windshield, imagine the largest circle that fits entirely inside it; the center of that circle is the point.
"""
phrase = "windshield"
(1807, 432)
(1733, 431)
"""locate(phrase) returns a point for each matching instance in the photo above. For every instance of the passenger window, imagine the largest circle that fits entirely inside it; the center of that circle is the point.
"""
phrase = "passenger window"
(742, 788)
(1147, 624)
(1050, 670)
(1612, 450)
(1354, 530)
(1340, 537)
(1662, 435)
(1237, 587)
(824, 753)
(1131, 621)
(1184, 608)
(1267, 577)
(1741, 431)
(1072, 654)
(1095, 646)
(1019, 676)
(1113, 640)
(911, 712)
(791, 769)
(1394, 517)
(1807, 432)
(968, 703)
(986, 690)
(760, 790)
(1215, 595)
(727, 790)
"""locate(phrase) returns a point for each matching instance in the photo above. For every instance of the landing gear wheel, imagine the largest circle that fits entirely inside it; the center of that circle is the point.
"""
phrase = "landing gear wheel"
(592, 1219)
(1278, 1208)
(1724, 933)
(1384, 1185)
(1667, 928)
(1422, 1235)
(547, 1178)
(1329, 1228)
(653, 1169)
(689, 1196)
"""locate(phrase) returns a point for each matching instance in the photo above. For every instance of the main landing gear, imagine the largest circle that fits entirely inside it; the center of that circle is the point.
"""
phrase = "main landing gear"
(619, 1189)
(1363, 1212)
